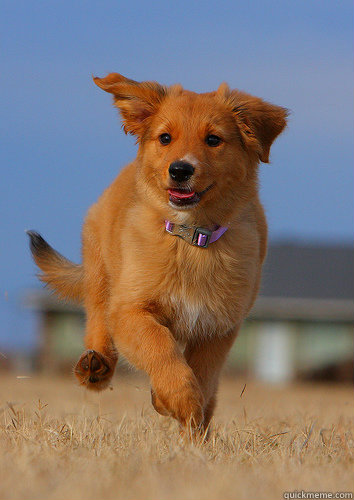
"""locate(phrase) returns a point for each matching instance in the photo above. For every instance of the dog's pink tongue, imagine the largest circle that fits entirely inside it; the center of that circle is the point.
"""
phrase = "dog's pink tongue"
(181, 194)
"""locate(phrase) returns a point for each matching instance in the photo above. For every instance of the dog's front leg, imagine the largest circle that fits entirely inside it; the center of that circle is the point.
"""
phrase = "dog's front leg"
(96, 365)
(206, 359)
(150, 346)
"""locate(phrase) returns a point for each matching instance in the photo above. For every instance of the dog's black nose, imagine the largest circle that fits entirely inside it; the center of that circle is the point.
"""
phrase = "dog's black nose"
(181, 171)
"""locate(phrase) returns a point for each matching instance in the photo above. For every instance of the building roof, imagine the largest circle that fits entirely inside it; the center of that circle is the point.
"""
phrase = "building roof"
(307, 283)
(295, 309)
(305, 271)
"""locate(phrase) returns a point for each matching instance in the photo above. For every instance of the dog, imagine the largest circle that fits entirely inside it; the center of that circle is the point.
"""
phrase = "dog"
(173, 249)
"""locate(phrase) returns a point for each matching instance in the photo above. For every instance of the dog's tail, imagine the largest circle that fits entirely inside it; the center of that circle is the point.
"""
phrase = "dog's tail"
(63, 276)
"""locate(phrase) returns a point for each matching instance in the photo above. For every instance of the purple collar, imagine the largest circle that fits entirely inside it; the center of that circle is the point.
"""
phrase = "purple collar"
(194, 235)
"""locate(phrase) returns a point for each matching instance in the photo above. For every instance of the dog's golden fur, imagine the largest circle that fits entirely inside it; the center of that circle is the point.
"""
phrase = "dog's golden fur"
(147, 293)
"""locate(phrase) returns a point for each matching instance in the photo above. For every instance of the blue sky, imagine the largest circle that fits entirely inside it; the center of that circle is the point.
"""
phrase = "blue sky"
(61, 142)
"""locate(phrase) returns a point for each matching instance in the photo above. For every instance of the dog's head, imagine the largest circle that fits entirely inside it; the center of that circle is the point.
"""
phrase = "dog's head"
(198, 153)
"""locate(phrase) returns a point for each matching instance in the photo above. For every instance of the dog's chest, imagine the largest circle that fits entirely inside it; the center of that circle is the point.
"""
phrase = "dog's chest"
(199, 295)
(193, 316)
(186, 318)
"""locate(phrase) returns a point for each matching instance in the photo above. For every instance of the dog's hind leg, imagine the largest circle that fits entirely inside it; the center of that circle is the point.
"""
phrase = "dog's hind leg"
(206, 359)
(96, 365)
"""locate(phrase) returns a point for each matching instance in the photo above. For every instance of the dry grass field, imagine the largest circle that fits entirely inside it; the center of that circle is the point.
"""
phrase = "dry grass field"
(59, 442)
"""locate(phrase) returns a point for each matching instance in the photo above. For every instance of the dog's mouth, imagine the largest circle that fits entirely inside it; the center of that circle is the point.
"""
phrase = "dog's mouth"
(184, 197)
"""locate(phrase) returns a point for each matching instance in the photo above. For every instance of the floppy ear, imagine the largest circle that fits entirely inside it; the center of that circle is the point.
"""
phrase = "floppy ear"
(136, 101)
(259, 121)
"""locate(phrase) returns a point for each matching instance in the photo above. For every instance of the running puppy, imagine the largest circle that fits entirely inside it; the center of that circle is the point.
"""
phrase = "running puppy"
(173, 249)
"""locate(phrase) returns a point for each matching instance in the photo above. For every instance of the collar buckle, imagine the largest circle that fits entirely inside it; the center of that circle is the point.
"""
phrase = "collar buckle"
(197, 236)
(201, 237)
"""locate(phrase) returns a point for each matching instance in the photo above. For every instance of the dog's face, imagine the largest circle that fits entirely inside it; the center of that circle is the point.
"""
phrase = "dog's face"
(198, 153)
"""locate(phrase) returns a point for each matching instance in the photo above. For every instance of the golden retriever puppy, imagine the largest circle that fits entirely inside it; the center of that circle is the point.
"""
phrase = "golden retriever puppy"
(173, 249)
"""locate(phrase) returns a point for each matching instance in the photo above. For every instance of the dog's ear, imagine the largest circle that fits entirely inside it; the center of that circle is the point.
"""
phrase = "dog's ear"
(137, 101)
(259, 121)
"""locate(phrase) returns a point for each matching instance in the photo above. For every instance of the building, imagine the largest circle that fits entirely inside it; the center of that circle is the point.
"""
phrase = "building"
(302, 322)
(300, 326)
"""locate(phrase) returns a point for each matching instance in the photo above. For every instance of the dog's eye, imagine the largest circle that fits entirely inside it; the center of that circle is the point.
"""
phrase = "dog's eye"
(165, 139)
(212, 140)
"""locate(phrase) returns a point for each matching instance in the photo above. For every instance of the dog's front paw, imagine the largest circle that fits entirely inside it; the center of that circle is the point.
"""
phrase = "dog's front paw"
(188, 407)
(157, 404)
(94, 370)
(183, 401)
